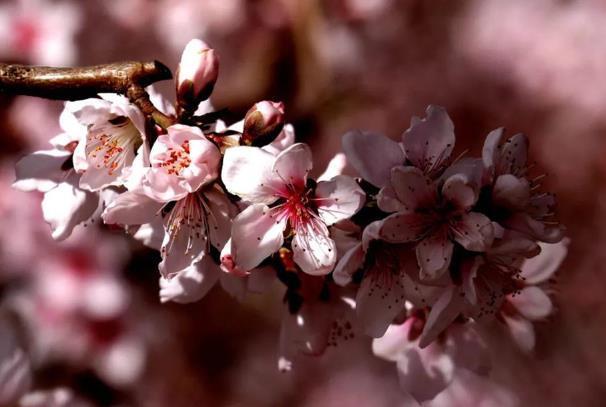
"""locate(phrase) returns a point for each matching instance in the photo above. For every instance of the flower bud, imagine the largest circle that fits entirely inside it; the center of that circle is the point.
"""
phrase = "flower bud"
(197, 74)
(263, 122)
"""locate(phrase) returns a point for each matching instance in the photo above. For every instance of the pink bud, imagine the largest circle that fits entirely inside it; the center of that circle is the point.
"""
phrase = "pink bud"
(197, 74)
(263, 122)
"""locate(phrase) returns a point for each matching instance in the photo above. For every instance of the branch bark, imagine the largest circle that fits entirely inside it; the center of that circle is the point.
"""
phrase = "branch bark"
(126, 78)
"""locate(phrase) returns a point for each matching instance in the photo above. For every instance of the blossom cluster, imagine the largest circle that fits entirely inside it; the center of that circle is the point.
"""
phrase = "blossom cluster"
(420, 251)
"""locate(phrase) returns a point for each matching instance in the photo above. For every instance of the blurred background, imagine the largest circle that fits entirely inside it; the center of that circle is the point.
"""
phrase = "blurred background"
(90, 305)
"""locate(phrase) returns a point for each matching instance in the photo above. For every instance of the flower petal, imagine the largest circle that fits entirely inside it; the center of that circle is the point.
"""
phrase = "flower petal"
(42, 170)
(405, 227)
(442, 313)
(381, 297)
(434, 254)
(412, 188)
(524, 223)
(541, 267)
(428, 142)
(335, 167)
(490, 151)
(338, 199)
(513, 156)
(247, 173)
(387, 200)
(511, 192)
(293, 164)
(473, 231)
(220, 216)
(313, 249)
(521, 331)
(394, 342)
(256, 234)
(532, 303)
(285, 139)
(190, 284)
(372, 155)
(459, 192)
(66, 206)
(351, 262)
(424, 372)
(131, 208)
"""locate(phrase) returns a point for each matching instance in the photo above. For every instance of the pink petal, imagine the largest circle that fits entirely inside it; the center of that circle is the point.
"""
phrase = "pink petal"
(424, 372)
(442, 314)
(351, 262)
(338, 199)
(285, 139)
(513, 156)
(131, 208)
(394, 342)
(221, 214)
(335, 167)
(524, 223)
(434, 254)
(405, 227)
(473, 231)
(459, 192)
(191, 284)
(293, 164)
(372, 155)
(521, 331)
(429, 142)
(511, 192)
(247, 173)
(313, 249)
(381, 297)
(532, 303)
(387, 200)
(541, 267)
(412, 188)
(490, 151)
(256, 234)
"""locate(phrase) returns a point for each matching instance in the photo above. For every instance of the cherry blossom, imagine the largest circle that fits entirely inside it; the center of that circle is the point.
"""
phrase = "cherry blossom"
(262, 179)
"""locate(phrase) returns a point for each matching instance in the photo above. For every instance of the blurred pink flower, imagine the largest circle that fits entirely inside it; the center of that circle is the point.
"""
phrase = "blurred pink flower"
(40, 32)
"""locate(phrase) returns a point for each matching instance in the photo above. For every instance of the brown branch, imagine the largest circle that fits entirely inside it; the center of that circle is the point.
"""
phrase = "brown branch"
(125, 78)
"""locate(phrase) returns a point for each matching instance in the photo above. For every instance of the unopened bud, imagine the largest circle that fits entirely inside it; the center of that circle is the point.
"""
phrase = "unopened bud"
(197, 74)
(263, 122)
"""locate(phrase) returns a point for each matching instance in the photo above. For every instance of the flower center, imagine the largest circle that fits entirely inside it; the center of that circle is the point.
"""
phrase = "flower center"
(113, 144)
(189, 215)
(176, 159)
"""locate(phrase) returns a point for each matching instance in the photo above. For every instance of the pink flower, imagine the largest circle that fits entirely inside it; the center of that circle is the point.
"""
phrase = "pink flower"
(434, 216)
(426, 372)
(116, 134)
(263, 179)
(65, 204)
(514, 199)
(197, 74)
(388, 277)
(181, 162)
(426, 145)
(531, 302)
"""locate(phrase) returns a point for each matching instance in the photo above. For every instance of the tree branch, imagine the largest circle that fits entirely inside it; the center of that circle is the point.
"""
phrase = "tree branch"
(125, 78)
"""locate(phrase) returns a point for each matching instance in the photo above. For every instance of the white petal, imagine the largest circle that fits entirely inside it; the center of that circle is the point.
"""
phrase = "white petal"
(412, 188)
(442, 313)
(335, 167)
(387, 200)
(458, 191)
(511, 192)
(131, 208)
(521, 331)
(351, 262)
(285, 139)
(541, 267)
(433, 255)
(313, 249)
(394, 342)
(41, 170)
(66, 206)
(473, 231)
(372, 155)
(338, 199)
(424, 372)
(405, 227)
(247, 172)
(191, 284)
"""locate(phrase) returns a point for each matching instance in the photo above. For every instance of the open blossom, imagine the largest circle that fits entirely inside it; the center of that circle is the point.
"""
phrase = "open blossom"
(436, 217)
(180, 162)
(426, 372)
(65, 204)
(515, 200)
(115, 136)
(531, 302)
(426, 145)
(283, 200)
(388, 277)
